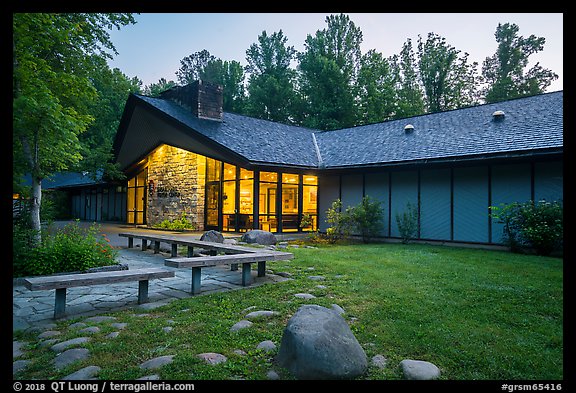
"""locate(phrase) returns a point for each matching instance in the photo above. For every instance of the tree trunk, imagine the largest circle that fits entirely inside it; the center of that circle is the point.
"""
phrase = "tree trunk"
(35, 211)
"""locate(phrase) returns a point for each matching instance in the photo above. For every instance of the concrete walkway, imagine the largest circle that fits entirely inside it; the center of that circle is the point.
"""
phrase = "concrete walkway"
(36, 308)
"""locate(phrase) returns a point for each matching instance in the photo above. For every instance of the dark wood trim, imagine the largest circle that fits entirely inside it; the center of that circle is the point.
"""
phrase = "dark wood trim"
(489, 203)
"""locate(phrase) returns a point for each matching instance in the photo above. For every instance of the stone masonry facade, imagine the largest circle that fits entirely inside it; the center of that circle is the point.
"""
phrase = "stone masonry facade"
(176, 185)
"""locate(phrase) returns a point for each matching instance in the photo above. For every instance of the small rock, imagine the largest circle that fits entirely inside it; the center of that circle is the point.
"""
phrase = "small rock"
(90, 330)
(311, 268)
(306, 296)
(317, 278)
(261, 314)
(88, 372)
(260, 237)
(78, 325)
(153, 377)
(338, 309)
(157, 362)
(272, 375)
(240, 325)
(119, 325)
(48, 334)
(113, 335)
(65, 344)
(321, 286)
(167, 329)
(212, 358)
(240, 352)
(295, 246)
(267, 346)
(17, 349)
(379, 361)
(19, 365)
(419, 370)
(284, 274)
(49, 342)
(212, 236)
(70, 356)
(99, 319)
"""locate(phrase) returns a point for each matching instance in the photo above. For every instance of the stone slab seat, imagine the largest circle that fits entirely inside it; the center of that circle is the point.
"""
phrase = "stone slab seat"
(61, 282)
(174, 241)
(197, 263)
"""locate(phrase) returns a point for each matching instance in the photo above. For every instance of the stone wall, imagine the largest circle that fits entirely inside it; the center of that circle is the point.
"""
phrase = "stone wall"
(179, 178)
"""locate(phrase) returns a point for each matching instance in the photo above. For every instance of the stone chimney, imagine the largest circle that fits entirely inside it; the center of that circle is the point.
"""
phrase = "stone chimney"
(203, 99)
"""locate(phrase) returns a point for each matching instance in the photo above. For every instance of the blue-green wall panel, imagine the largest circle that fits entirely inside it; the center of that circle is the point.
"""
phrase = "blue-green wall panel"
(329, 191)
(435, 204)
(471, 204)
(404, 189)
(548, 181)
(376, 187)
(510, 183)
(351, 190)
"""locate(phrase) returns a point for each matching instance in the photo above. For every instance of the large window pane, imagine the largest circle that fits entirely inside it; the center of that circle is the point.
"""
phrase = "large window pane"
(229, 197)
(246, 199)
(229, 172)
(270, 177)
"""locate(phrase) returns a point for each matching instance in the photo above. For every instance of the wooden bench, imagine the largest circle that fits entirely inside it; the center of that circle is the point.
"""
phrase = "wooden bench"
(197, 263)
(175, 241)
(61, 282)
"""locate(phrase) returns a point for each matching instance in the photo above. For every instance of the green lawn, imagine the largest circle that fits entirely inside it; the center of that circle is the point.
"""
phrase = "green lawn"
(476, 314)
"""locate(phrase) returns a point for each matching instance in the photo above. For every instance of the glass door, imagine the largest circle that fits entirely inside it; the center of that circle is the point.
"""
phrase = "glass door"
(136, 199)
(212, 210)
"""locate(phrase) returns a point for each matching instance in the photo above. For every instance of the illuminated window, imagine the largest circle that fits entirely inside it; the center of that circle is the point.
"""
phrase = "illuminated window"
(268, 219)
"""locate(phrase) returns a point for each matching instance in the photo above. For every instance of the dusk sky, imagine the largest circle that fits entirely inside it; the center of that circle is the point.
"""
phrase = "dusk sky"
(153, 47)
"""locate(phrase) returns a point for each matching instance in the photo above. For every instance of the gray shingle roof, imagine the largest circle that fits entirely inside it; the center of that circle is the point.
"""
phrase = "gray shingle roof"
(530, 124)
(259, 141)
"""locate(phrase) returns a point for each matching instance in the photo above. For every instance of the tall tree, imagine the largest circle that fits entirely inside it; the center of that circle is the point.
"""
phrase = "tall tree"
(230, 75)
(191, 66)
(377, 94)
(53, 58)
(328, 74)
(271, 93)
(449, 80)
(154, 89)
(504, 72)
(409, 93)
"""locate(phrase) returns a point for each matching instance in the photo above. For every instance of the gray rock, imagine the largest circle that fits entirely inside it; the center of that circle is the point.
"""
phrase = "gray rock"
(90, 330)
(240, 352)
(19, 365)
(306, 296)
(379, 361)
(157, 362)
(48, 334)
(267, 346)
(419, 370)
(88, 372)
(272, 375)
(70, 356)
(17, 349)
(317, 278)
(318, 344)
(284, 274)
(113, 335)
(153, 377)
(99, 319)
(65, 344)
(212, 236)
(259, 236)
(231, 241)
(78, 325)
(338, 309)
(212, 358)
(240, 325)
(119, 325)
(167, 329)
(261, 314)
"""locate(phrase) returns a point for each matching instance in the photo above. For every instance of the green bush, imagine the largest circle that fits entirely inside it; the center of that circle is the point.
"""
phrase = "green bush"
(69, 249)
(339, 221)
(407, 222)
(177, 224)
(367, 218)
(536, 225)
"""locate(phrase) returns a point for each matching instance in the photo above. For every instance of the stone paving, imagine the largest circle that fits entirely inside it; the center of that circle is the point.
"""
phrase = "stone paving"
(36, 308)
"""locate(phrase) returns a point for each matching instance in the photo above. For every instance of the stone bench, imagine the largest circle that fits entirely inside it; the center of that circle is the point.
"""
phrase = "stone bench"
(197, 263)
(61, 282)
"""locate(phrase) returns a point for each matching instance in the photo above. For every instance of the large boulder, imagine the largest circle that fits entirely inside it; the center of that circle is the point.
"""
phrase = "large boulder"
(259, 236)
(318, 344)
(212, 236)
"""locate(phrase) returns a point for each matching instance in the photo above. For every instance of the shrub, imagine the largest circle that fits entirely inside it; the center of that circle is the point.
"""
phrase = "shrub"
(177, 224)
(339, 222)
(538, 225)
(407, 222)
(366, 218)
(69, 249)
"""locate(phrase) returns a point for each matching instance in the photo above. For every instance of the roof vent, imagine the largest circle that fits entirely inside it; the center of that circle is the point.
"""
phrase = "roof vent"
(408, 128)
(498, 115)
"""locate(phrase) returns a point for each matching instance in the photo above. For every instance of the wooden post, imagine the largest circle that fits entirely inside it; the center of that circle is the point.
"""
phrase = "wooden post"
(262, 269)
(233, 267)
(156, 246)
(190, 252)
(174, 252)
(130, 242)
(60, 303)
(196, 275)
(246, 274)
(142, 291)
(144, 244)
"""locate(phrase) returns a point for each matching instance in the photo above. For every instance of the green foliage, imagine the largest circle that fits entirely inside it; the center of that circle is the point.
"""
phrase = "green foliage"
(71, 248)
(504, 71)
(367, 218)
(177, 224)
(407, 222)
(339, 222)
(538, 225)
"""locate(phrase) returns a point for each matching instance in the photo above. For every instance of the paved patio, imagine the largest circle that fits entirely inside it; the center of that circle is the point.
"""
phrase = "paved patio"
(33, 308)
